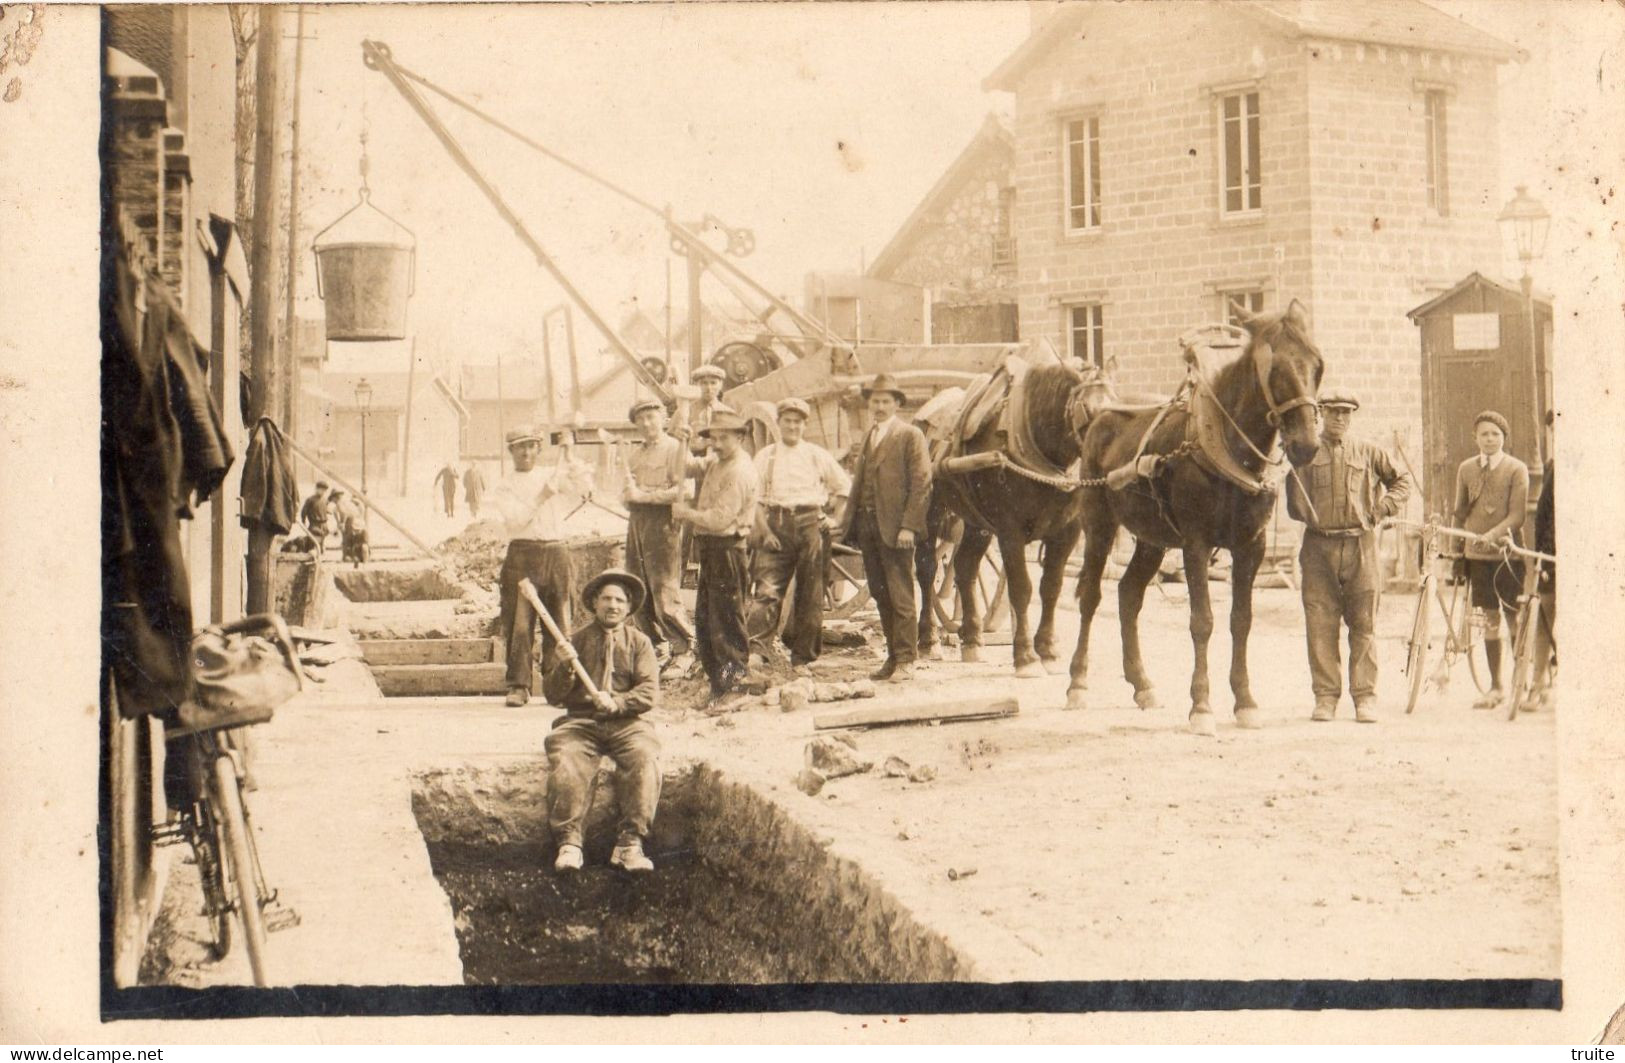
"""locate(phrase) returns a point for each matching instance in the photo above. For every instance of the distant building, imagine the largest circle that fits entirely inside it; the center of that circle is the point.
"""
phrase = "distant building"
(437, 420)
(1173, 165)
(498, 398)
(867, 309)
(958, 247)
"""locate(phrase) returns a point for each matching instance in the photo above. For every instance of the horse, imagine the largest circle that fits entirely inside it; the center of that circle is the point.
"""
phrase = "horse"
(1207, 492)
(1016, 504)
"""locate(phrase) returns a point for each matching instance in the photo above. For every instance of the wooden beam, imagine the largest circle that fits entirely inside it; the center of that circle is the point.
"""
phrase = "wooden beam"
(891, 715)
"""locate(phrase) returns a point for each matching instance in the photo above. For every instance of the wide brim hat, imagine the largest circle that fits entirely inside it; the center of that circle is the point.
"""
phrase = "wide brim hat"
(1342, 397)
(793, 405)
(884, 382)
(633, 586)
(524, 434)
(726, 422)
(707, 372)
(641, 405)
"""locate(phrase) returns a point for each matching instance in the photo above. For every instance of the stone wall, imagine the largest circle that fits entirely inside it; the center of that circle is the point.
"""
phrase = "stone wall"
(951, 252)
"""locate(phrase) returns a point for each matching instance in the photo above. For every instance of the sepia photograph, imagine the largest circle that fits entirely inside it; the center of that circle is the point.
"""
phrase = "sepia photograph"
(897, 509)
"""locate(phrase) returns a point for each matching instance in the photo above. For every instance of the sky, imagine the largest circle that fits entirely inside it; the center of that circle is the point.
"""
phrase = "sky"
(818, 126)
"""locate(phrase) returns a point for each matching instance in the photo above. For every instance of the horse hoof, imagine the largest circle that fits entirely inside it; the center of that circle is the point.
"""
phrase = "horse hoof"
(1055, 666)
(1146, 699)
(1202, 724)
(1031, 670)
(1077, 699)
(970, 654)
(1248, 719)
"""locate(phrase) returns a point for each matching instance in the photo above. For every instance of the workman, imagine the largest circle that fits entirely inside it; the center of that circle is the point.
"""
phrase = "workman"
(1352, 486)
(533, 501)
(656, 478)
(446, 482)
(314, 515)
(604, 719)
(723, 516)
(891, 495)
(473, 488)
(710, 380)
(1492, 496)
(800, 487)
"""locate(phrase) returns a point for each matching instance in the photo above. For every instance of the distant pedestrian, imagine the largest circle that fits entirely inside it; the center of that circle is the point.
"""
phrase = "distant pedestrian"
(446, 480)
(352, 522)
(315, 515)
(656, 478)
(801, 485)
(722, 517)
(473, 488)
(1352, 486)
(891, 494)
(1492, 495)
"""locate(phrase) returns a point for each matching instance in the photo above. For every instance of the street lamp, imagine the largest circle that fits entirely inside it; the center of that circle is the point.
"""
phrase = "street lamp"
(1525, 221)
(363, 405)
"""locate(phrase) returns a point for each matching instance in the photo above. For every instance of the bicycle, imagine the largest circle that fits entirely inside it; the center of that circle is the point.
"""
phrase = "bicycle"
(1529, 678)
(214, 820)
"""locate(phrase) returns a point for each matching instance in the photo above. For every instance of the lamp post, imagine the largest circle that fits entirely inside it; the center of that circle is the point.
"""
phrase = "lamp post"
(1525, 222)
(363, 405)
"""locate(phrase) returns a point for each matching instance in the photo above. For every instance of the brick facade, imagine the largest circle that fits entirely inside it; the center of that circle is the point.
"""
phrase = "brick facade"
(1344, 226)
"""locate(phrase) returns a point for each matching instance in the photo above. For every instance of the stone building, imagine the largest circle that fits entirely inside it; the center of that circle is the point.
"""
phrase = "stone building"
(1170, 166)
(958, 246)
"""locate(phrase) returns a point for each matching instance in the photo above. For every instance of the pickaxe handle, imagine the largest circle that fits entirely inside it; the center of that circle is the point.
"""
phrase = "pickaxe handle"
(529, 591)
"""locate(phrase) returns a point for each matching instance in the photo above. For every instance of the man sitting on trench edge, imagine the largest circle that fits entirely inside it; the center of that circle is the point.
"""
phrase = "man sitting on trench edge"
(621, 661)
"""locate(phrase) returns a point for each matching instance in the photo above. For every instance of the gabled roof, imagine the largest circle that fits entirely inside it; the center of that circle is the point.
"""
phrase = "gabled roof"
(993, 136)
(1476, 279)
(1398, 23)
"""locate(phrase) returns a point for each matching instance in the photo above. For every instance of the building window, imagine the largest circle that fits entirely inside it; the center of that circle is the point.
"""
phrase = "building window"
(1004, 239)
(1435, 136)
(1084, 334)
(1083, 174)
(1251, 301)
(1240, 178)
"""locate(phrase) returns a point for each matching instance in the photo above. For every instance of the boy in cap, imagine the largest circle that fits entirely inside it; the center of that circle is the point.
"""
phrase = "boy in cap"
(1352, 486)
(721, 518)
(891, 494)
(801, 485)
(608, 722)
(656, 473)
(1492, 496)
(533, 502)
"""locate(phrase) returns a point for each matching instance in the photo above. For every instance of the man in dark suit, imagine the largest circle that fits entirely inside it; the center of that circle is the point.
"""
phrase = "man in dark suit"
(891, 492)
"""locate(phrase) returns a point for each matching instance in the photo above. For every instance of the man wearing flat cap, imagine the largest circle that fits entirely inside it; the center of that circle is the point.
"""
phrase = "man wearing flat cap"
(605, 720)
(656, 475)
(1492, 498)
(891, 493)
(710, 380)
(801, 485)
(533, 502)
(721, 519)
(1351, 486)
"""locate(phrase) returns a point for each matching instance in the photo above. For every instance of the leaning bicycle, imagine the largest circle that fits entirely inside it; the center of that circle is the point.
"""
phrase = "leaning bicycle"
(1441, 585)
(240, 678)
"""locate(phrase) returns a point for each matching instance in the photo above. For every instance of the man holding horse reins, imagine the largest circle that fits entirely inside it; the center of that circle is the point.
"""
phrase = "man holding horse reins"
(1351, 486)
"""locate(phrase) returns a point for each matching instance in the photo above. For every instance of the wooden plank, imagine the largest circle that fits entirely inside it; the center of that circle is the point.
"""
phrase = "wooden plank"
(891, 715)
(440, 680)
(426, 651)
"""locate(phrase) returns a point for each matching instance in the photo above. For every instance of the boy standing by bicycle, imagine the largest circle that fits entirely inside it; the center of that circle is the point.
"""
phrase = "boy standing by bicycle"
(1352, 485)
(1492, 496)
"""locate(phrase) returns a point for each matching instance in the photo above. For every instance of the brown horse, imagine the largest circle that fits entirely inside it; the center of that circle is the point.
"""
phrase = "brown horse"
(1198, 501)
(1018, 505)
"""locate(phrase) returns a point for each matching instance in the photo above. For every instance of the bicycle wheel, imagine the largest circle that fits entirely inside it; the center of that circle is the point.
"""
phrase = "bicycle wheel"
(1416, 655)
(1463, 637)
(209, 847)
(239, 852)
(1523, 657)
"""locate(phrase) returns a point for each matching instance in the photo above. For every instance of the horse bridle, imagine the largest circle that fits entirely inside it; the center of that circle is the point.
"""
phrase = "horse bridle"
(1263, 363)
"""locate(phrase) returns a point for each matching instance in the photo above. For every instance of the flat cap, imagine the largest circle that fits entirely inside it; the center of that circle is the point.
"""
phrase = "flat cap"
(1493, 418)
(522, 434)
(641, 405)
(707, 372)
(793, 405)
(1343, 397)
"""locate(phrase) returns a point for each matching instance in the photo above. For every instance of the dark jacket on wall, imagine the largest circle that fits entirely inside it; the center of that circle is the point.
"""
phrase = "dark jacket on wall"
(270, 496)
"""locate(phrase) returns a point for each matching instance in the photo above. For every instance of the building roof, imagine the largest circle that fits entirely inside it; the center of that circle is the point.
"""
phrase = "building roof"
(388, 389)
(1473, 280)
(521, 382)
(1398, 23)
(994, 136)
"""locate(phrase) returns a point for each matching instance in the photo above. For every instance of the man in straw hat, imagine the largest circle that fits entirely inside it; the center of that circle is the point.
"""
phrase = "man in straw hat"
(721, 518)
(604, 720)
(656, 477)
(891, 493)
(801, 485)
(1492, 497)
(1352, 486)
(533, 502)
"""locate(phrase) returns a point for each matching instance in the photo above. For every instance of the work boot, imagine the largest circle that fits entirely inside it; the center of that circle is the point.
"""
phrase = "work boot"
(517, 696)
(1365, 710)
(1325, 709)
(902, 673)
(569, 858)
(884, 671)
(628, 856)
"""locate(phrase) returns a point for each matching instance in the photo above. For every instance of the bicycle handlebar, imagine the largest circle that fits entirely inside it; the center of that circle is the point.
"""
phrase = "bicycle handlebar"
(1458, 533)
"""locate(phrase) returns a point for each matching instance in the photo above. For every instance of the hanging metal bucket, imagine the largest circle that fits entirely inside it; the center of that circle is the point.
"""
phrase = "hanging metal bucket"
(366, 265)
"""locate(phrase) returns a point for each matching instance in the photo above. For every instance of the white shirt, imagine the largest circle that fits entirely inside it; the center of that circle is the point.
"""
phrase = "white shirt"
(1492, 461)
(527, 516)
(802, 475)
(881, 430)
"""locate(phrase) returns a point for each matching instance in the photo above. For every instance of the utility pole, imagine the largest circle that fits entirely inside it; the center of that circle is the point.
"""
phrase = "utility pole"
(262, 269)
(290, 393)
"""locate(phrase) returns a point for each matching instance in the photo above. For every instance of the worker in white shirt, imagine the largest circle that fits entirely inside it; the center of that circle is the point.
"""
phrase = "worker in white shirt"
(533, 502)
(801, 488)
